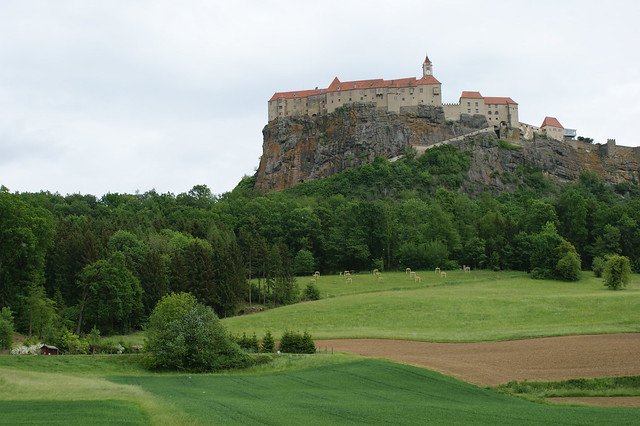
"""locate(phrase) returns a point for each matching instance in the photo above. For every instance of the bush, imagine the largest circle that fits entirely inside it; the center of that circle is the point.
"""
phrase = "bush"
(568, 267)
(296, 343)
(617, 272)
(71, 343)
(508, 146)
(183, 334)
(268, 343)
(311, 292)
(249, 344)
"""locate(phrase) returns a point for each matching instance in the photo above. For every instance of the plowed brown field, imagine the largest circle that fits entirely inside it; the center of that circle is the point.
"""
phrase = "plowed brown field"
(493, 363)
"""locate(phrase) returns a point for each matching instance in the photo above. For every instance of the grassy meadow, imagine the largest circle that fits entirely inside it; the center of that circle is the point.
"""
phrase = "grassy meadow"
(342, 388)
(476, 306)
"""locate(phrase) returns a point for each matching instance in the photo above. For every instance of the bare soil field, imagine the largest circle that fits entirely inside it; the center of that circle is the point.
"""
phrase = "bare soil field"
(493, 363)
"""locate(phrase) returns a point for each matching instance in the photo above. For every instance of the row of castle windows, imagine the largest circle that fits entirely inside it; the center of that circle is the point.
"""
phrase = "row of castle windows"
(488, 105)
(373, 91)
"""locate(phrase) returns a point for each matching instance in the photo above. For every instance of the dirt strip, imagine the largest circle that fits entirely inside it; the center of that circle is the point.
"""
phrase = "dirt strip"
(493, 363)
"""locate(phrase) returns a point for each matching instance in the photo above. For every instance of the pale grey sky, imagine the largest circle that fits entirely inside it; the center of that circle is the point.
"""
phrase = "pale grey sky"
(124, 95)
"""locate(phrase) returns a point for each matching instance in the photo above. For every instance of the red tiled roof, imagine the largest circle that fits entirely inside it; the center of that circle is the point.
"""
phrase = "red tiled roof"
(499, 101)
(551, 121)
(427, 79)
(471, 95)
(427, 61)
(337, 85)
(297, 94)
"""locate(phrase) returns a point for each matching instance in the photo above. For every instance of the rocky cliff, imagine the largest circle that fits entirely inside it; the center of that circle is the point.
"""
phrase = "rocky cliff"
(300, 149)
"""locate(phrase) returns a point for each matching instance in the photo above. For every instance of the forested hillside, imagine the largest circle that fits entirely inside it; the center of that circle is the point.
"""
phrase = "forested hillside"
(77, 261)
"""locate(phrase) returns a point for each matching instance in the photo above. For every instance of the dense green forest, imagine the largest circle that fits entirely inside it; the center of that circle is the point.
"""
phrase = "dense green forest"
(77, 261)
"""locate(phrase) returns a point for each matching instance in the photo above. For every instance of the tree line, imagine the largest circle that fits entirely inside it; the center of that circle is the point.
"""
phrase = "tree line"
(81, 261)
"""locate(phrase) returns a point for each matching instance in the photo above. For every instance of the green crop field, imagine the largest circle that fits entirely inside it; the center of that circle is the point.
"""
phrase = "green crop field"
(303, 389)
(461, 307)
(359, 392)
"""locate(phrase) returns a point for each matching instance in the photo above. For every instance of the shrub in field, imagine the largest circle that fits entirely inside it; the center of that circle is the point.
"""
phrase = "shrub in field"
(296, 343)
(183, 334)
(311, 292)
(568, 267)
(247, 343)
(268, 343)
(6, 328)
(617, 272)
(72, 344)
(598, 266)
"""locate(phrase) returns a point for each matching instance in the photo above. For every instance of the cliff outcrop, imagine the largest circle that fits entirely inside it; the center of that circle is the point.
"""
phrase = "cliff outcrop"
(300, 149)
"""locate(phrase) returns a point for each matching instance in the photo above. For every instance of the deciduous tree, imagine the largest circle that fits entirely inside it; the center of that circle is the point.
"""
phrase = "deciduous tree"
(183, 334)
(617, 272)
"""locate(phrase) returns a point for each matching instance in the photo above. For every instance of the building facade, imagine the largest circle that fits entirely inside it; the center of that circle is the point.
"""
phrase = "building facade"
(391, 95)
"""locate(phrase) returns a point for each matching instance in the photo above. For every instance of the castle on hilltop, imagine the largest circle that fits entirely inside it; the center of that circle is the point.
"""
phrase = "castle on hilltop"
(403, 94)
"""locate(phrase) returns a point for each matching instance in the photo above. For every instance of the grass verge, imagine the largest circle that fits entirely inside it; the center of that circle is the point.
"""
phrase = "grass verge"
(606, 387)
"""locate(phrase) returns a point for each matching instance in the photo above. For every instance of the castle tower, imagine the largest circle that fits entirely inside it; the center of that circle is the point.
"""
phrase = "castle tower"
(427, 67)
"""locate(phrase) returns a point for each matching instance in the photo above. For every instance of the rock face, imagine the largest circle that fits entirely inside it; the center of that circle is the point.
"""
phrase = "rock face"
(495, 165)
(299, 149)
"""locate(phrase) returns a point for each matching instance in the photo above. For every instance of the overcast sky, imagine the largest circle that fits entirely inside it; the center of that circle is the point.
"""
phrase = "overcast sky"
(132, 95)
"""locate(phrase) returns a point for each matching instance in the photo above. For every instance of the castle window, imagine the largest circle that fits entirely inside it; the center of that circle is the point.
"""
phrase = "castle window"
(489, 112)
(402, 90)
(361, 98)
(469, 110)
(421, 90)
(469, 104)
(476, 110)
(403, 99)
(362, 92)
(372, 91)
(349, 99)
(476, 104)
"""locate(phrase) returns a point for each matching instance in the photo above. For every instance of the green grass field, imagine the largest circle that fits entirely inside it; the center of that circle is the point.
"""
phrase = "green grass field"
(341, 388)
(462, 307)
(303, 389)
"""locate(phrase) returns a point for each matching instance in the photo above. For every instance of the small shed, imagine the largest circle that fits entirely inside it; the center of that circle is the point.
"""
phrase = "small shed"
(49, 350)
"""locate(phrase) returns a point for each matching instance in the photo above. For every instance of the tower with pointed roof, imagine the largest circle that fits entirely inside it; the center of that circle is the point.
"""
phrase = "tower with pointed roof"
(427, 67)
